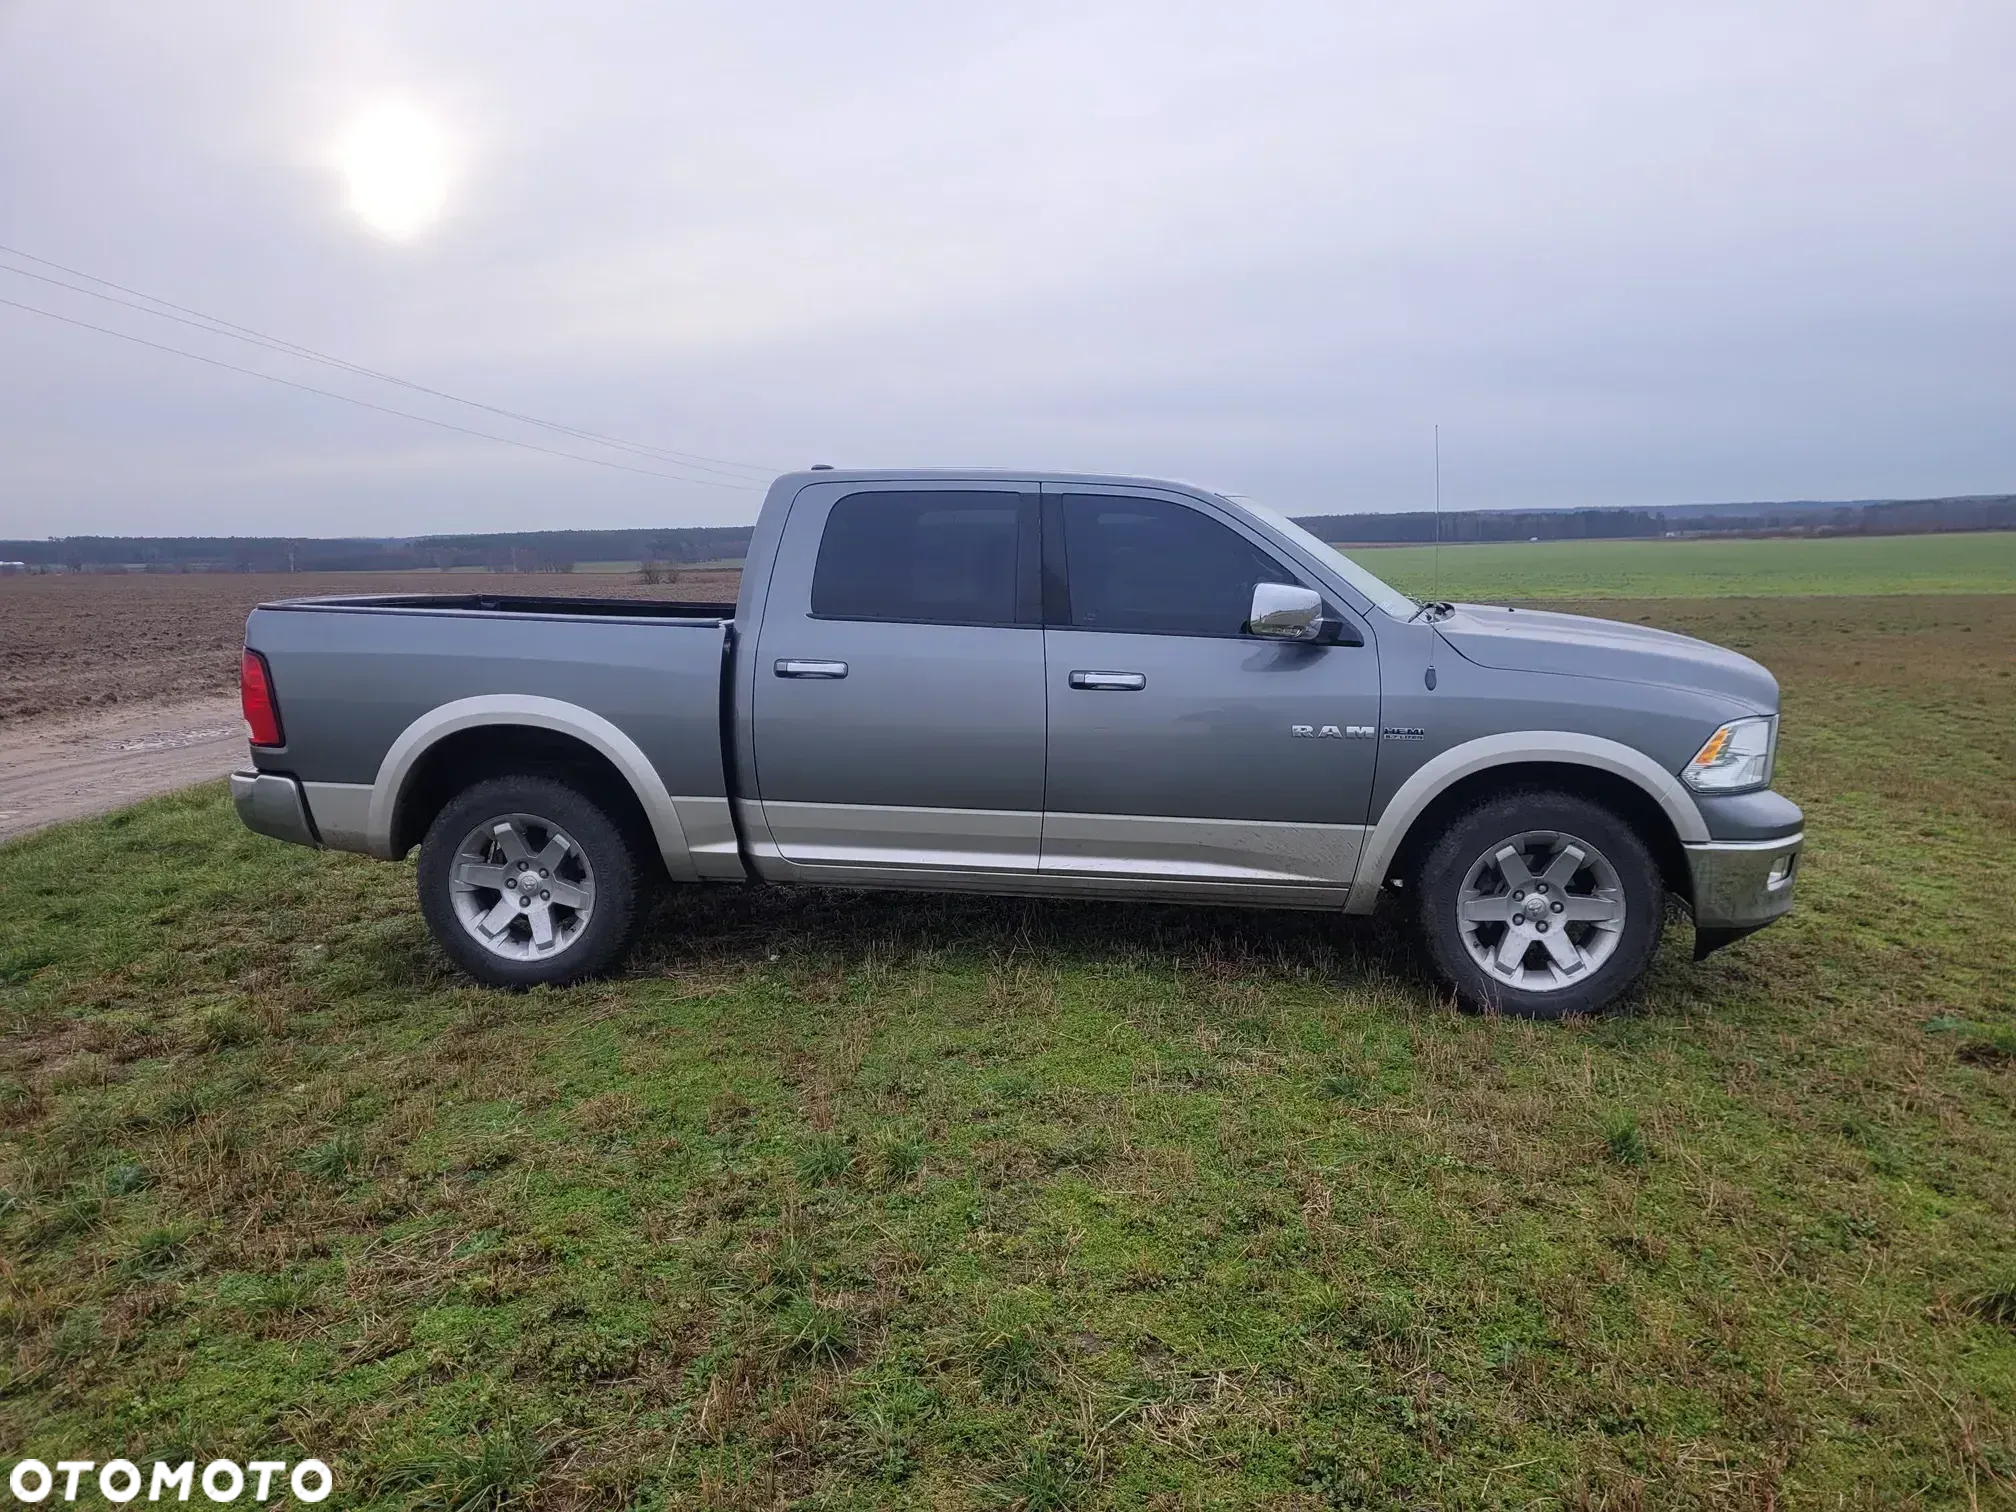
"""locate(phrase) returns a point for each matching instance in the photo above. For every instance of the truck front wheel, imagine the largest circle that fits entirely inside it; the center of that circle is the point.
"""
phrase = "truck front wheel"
(523, 881)
(1540, 904)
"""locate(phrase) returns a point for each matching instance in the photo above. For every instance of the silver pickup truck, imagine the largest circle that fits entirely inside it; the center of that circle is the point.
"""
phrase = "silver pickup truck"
(1052, 685)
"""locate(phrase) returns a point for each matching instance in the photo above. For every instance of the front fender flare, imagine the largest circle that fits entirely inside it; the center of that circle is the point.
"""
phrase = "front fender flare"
(1556, 747)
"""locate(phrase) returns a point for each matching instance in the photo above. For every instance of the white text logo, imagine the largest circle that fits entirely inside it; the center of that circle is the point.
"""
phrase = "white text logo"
(121, 1480)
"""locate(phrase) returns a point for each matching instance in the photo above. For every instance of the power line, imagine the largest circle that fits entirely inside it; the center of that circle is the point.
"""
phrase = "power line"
(288, 348)
(219, 326)
(309, 388)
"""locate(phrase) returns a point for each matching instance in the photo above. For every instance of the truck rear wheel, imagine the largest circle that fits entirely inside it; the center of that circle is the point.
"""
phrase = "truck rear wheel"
(1540, 904)
(524, 880)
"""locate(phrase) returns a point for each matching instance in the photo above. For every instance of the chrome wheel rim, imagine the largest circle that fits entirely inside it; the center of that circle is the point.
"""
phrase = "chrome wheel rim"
(1541, 911)
(522, 887)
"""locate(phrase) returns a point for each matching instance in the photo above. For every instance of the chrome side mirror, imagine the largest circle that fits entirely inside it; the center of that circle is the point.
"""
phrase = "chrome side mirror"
(1284, 611)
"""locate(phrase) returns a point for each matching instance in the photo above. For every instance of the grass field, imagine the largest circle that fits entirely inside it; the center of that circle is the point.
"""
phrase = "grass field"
(1984, 563)
(870, 1200)
(74, 643)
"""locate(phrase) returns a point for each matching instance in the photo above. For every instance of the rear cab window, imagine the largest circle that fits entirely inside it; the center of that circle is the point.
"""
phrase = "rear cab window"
(930, 557)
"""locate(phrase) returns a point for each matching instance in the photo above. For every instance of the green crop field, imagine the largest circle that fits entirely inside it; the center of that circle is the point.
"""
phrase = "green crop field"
(862, 1201)
(1492, 573)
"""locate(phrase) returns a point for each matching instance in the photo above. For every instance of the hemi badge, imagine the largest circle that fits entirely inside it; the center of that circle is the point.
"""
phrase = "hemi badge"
(1405, 732)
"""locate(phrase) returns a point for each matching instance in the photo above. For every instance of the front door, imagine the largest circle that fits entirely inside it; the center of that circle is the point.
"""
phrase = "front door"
(898, 701)
(1185, 754)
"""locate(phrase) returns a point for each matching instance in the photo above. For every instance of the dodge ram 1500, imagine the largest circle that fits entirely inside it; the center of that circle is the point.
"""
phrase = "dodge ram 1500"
(1024, 683)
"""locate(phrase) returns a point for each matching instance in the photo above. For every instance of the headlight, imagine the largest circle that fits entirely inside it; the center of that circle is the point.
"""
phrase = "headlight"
(1736, 757)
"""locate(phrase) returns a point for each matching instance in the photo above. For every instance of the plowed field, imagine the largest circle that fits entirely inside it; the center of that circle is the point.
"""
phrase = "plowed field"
(77, 642)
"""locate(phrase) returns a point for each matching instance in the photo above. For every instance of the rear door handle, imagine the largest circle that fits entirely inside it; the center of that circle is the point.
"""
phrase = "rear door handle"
(1113, 682)
(788, 666)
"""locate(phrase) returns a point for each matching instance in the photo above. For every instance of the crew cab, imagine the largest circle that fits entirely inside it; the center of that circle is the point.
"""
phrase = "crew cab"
(1033, 684)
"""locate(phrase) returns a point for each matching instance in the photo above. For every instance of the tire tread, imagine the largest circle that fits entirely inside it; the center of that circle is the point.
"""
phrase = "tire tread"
(619, 880)
(1445, 862)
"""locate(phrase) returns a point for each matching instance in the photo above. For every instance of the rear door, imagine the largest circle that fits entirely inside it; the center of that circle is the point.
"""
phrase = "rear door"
(1184, 753)
(898, 703)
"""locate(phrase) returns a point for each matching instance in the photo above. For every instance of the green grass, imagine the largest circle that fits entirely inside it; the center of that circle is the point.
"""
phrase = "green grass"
(1984, 563)
(870, 1200)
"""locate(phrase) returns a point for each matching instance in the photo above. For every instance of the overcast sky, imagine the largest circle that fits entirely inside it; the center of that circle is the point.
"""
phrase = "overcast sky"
(1623, 254)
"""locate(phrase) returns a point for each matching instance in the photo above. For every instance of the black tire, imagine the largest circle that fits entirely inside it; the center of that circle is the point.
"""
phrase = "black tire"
(1614, 956)
(596, 852)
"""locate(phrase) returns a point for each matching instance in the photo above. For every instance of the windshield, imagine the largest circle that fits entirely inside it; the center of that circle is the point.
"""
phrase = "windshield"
(1387, 599)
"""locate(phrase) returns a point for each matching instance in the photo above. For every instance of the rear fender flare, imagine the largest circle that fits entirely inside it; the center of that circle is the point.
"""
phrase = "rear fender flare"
(1559, 747)
(586, 726)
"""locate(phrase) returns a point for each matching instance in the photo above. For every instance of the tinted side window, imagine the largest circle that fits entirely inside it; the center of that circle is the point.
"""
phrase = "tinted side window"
(926, 557)
(1153, 567)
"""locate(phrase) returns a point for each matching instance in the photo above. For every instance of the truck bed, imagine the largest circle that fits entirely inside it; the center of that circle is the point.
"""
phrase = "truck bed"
(516, 604)
(359, 679)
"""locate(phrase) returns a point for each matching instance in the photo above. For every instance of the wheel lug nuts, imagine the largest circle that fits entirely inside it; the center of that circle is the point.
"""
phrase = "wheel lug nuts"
(1559, 906)
(1519, 897)
(1541, 926)
(1518, 918)
(545, 894)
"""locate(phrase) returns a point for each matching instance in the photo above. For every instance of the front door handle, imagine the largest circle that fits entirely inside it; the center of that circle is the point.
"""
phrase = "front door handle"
(1113, 682)
(788, 666)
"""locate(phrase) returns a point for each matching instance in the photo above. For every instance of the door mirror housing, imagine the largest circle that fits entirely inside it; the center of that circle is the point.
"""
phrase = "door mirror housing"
(1283, 611)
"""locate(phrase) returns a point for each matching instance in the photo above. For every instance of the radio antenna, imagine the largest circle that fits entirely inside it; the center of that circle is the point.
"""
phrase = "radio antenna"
(1435, 551)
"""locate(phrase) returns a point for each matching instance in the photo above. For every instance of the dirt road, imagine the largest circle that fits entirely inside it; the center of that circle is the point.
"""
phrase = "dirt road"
(52, 770)
(106, 679)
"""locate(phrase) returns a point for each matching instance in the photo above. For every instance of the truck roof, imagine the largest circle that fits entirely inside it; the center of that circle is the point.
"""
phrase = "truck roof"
(982, 474)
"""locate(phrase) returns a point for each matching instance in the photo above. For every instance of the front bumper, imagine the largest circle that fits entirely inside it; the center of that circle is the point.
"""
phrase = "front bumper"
(1742, 885)
(272, 804)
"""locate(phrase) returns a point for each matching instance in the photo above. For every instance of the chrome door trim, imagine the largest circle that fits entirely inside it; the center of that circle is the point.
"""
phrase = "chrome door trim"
(1033, 884)
(887, 835)
(794, 666)
(1269, 852)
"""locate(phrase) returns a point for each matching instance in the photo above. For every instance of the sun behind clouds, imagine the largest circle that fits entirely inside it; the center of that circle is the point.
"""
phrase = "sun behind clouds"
(395, 158)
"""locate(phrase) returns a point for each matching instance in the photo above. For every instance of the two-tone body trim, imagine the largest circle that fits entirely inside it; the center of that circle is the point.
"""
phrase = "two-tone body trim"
(1273, 862)
(1435, 776)
(667, 815)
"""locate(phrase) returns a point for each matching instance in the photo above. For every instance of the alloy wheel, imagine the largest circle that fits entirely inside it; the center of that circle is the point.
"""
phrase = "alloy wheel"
(1541, 911)
(521, 887)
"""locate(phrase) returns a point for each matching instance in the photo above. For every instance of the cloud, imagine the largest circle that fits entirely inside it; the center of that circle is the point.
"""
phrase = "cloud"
(1621, 255)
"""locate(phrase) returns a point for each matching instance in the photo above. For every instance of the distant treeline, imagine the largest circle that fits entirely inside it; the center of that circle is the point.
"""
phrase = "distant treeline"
(1864, 517)
(531, 551)
(561, 550)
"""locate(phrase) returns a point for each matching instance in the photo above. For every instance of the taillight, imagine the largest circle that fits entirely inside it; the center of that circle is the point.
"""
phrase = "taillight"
(255, 695)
